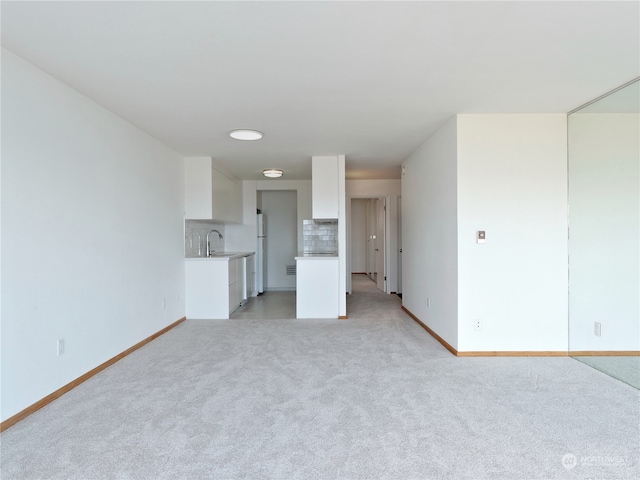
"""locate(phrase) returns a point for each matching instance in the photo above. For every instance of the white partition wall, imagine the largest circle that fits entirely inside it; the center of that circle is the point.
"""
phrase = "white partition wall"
(512, 184)
(429, 233)
(505, 175)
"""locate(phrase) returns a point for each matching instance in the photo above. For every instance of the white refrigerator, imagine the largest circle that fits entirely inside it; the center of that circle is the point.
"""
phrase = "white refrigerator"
(260, 254)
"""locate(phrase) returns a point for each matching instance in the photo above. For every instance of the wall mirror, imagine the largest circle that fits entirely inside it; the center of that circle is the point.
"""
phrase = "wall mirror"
(604, 233)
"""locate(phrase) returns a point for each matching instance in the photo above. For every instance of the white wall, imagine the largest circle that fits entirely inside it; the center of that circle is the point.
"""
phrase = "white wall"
(358, 235)
(512, 183)
(373, 188)
(343, 224)
(280, 211)
(392, 233)
(303, 189)
(507, 175)
(92, 230)
(429, 233)
(195, 238)
(242, 237)
(604, 193)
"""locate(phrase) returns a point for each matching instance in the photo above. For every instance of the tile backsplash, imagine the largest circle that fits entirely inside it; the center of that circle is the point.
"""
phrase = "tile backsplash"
(320, 237)
(195, 237)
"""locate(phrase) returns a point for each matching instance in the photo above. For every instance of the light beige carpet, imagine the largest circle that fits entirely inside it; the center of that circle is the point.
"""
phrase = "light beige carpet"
(625, 369)
(372, 397)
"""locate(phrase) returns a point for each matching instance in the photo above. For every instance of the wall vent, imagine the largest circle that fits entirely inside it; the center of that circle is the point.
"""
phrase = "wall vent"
(291, 269)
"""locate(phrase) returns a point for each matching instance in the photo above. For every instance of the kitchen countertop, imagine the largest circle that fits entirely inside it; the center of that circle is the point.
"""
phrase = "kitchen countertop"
(222, 256)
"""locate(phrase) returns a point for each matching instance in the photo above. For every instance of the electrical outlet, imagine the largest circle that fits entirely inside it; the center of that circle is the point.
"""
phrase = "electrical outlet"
(477, 324)
(597, 329)
(60, 346)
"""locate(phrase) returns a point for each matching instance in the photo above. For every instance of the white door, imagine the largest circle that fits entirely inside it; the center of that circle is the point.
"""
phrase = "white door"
(399, 289)
(371, 238)
(381, 278)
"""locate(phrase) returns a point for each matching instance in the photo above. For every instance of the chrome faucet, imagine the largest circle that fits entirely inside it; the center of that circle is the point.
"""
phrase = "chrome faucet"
(209, 251)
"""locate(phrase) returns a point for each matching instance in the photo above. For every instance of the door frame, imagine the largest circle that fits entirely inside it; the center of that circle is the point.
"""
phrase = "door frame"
(381, 244)
(391, 239)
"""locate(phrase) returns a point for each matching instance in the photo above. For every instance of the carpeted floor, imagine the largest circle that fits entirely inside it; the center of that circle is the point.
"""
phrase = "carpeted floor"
(372, 397)
(625, 369)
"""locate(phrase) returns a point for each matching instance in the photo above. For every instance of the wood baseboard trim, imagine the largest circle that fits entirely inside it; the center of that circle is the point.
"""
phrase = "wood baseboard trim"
(342, 317)
(431, 332)
(506, 353)
(485, 354)
(9, 422)
(605, 353)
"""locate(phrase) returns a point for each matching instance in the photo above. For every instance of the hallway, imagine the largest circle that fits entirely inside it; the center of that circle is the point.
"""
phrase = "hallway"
(367, 301)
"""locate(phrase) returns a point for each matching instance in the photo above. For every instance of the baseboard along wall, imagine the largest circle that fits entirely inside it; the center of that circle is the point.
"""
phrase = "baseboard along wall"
(446, 345)
(9, 422)
(605, 353)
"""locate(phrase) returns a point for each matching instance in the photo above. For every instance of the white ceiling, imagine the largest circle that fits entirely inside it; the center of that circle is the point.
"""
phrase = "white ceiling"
(371, 80)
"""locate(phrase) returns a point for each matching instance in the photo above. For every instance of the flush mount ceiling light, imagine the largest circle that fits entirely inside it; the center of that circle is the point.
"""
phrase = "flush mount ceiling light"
(272, 172)
(245, 134)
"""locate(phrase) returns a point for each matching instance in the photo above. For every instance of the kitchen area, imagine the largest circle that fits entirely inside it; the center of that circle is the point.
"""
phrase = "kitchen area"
(247, 237)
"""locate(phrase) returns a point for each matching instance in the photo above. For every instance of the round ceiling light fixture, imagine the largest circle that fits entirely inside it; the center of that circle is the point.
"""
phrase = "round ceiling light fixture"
(272, 172)
(244, 134)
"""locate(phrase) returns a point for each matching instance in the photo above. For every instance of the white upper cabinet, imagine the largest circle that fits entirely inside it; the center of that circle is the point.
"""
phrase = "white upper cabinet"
(211, 194)
(325, 186)
(226, 198)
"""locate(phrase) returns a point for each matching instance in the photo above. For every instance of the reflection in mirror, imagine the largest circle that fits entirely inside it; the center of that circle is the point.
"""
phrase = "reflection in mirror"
(604, 233)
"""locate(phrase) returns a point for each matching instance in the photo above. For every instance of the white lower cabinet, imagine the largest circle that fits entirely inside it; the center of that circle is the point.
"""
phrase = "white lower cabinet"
(236, 283)
(214, 288)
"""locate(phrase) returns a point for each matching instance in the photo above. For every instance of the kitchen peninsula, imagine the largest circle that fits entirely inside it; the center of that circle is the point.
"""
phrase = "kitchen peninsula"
(317, 285)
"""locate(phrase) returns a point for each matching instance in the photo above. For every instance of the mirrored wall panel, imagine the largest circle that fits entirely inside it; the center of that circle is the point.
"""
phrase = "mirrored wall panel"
(604, 234)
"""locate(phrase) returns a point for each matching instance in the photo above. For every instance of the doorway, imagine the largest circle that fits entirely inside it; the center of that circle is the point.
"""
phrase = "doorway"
(368, 236)
(280, 211)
